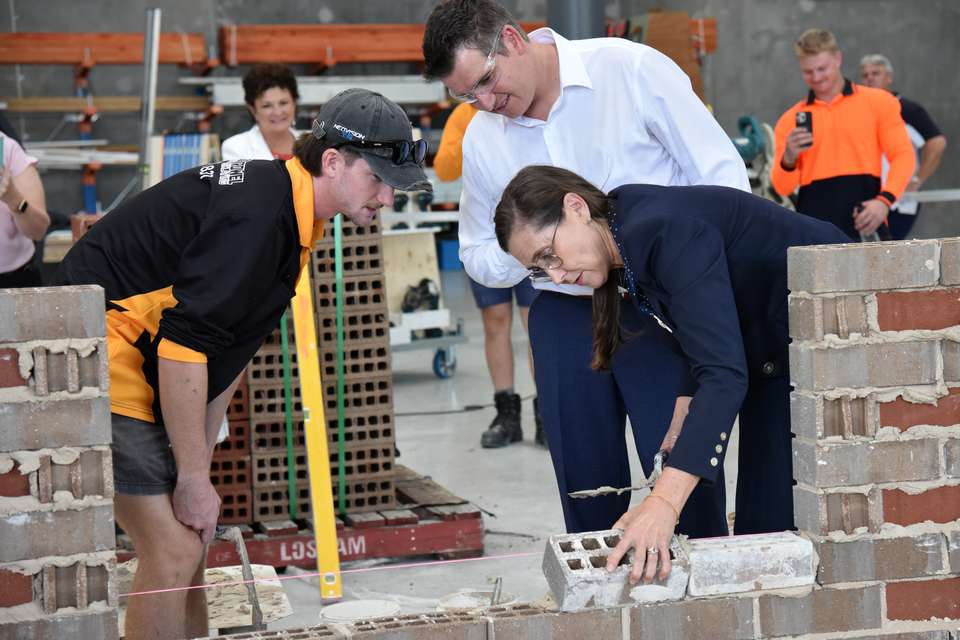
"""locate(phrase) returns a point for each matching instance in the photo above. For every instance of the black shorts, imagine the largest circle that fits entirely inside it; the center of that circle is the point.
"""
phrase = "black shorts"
(143, 463)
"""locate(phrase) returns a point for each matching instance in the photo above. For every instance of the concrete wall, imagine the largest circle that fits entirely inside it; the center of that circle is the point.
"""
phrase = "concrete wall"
(752, 72)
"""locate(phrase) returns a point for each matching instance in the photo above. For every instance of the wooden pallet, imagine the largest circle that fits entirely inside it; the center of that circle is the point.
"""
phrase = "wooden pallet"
(429, 520)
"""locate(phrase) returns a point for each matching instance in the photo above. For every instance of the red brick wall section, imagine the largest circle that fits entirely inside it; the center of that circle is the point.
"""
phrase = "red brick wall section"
(903, 414)
(15, 588)
(911, 310)
(924, 599)
(938, 504)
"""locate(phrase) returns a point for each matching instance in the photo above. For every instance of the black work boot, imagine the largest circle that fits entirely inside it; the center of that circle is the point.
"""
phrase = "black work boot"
(505, 428)
(539, 437)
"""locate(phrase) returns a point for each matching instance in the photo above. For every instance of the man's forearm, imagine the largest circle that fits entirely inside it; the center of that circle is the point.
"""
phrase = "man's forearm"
(930, 156)
(183, 400)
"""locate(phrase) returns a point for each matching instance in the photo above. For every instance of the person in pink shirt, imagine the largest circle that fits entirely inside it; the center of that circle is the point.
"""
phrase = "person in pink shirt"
(23, 216)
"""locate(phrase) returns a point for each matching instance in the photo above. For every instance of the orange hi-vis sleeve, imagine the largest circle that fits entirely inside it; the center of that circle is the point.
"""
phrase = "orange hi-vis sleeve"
(448, 163)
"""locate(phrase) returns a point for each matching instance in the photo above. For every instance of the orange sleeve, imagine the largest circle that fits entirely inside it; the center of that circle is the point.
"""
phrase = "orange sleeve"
(173, 351)
(895, 144)
(448, 163)
(785, 182)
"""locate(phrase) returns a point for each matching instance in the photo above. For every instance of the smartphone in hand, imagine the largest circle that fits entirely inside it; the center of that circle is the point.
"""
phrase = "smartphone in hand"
(804, 120)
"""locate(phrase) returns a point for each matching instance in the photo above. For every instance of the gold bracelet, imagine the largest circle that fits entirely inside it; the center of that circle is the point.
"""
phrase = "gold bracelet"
(670, 504)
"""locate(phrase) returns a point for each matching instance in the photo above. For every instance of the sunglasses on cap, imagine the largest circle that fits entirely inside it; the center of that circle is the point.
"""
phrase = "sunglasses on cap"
(403, 150)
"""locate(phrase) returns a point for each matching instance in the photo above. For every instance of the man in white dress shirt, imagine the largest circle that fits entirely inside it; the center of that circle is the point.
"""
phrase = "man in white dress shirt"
(616, 112)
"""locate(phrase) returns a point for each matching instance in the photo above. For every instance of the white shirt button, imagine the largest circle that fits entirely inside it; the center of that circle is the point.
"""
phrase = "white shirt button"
(714, 462)
(723, 435)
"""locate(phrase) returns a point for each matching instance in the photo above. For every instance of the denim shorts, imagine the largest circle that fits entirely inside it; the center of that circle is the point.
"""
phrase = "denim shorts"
(143, 463)
(489, 296)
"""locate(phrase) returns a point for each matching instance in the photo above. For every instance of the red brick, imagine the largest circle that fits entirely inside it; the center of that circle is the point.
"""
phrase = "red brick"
(903, 414)
(924, 599)
(14, 484)
(902, 310)
(15, 588)
(10, 369)
(941, 504)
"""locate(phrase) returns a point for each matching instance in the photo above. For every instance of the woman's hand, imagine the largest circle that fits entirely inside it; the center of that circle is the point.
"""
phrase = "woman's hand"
(648, 528)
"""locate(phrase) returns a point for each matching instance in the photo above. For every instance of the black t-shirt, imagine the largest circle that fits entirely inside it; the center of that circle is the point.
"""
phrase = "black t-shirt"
(207, 260)
(918, 118)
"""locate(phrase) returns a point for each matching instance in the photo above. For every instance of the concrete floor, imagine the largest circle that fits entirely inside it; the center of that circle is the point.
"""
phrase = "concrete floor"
(515, 484)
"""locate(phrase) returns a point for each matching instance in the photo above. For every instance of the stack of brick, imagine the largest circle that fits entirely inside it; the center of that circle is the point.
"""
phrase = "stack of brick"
(875, 364)
(230, 470)
(57, 559)
(368, 439)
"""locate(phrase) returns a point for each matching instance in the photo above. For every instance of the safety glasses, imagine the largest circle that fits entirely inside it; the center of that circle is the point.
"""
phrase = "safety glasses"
(487, 81)
(403, 150)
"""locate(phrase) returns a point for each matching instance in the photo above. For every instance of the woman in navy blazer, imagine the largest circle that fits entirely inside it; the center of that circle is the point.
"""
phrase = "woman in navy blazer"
(710, 264)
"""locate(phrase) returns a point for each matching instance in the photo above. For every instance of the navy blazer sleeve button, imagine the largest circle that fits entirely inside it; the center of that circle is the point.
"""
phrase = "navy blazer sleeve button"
(769, 368)
(719, 448)
(714, 462)
(723, 435)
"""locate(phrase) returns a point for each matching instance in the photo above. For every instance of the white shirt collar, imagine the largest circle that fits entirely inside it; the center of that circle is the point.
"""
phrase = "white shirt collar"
(573, 73)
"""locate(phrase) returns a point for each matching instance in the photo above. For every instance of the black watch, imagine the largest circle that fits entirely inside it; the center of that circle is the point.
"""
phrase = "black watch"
(22, 207)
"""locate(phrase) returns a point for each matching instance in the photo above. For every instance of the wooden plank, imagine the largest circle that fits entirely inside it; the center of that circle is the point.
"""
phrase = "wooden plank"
(98, 48)
(424, 538)
(669, 32)
(407, 259)
(326, 44)
(422, 491)
(279, 528)
(397, 517)
(104, 104)
(365, 520)
(454, 512)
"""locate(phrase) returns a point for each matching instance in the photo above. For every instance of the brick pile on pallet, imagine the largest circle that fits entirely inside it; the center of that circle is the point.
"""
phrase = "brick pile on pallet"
(258, 406)
(57, 559)
(875, 363)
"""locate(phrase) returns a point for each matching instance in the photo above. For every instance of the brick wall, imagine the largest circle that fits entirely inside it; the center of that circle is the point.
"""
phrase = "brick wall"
(875, 363)
(56, 483)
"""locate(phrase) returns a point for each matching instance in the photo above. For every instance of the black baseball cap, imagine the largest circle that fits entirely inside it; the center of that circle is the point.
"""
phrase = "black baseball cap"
(362, 116)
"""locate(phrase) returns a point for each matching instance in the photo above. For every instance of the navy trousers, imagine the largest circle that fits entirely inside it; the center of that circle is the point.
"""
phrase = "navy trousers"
(584, 411)
(765, 459)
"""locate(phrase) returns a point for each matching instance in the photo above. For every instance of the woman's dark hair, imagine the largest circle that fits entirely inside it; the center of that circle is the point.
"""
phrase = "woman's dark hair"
(534, 198)
(262, 77)
(456, 24)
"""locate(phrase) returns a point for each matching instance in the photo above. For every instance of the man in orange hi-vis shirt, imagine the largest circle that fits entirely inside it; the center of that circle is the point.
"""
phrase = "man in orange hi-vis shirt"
(832, 142)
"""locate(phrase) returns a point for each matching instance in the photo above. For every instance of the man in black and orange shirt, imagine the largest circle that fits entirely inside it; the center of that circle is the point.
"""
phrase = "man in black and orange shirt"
(838, 166)
(196, 272)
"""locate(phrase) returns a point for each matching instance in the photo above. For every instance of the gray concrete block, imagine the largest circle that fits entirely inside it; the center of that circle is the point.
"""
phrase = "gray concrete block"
(859, 463)
(52, 313)
(575, 568)
(549, 625)
(721, 566)
(426, 626)
(823, 610)
(813, 417)
(93, 624)
(37, 534)
(864, 365)
(953, 551)
(867, 559)
(695, 619)
(950, 261)
(951, 453)
(951, 361)
(47, 424)
(863, 267)
(818, 512)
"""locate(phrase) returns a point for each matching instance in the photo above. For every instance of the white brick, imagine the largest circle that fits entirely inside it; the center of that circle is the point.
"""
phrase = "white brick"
(749, 563)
